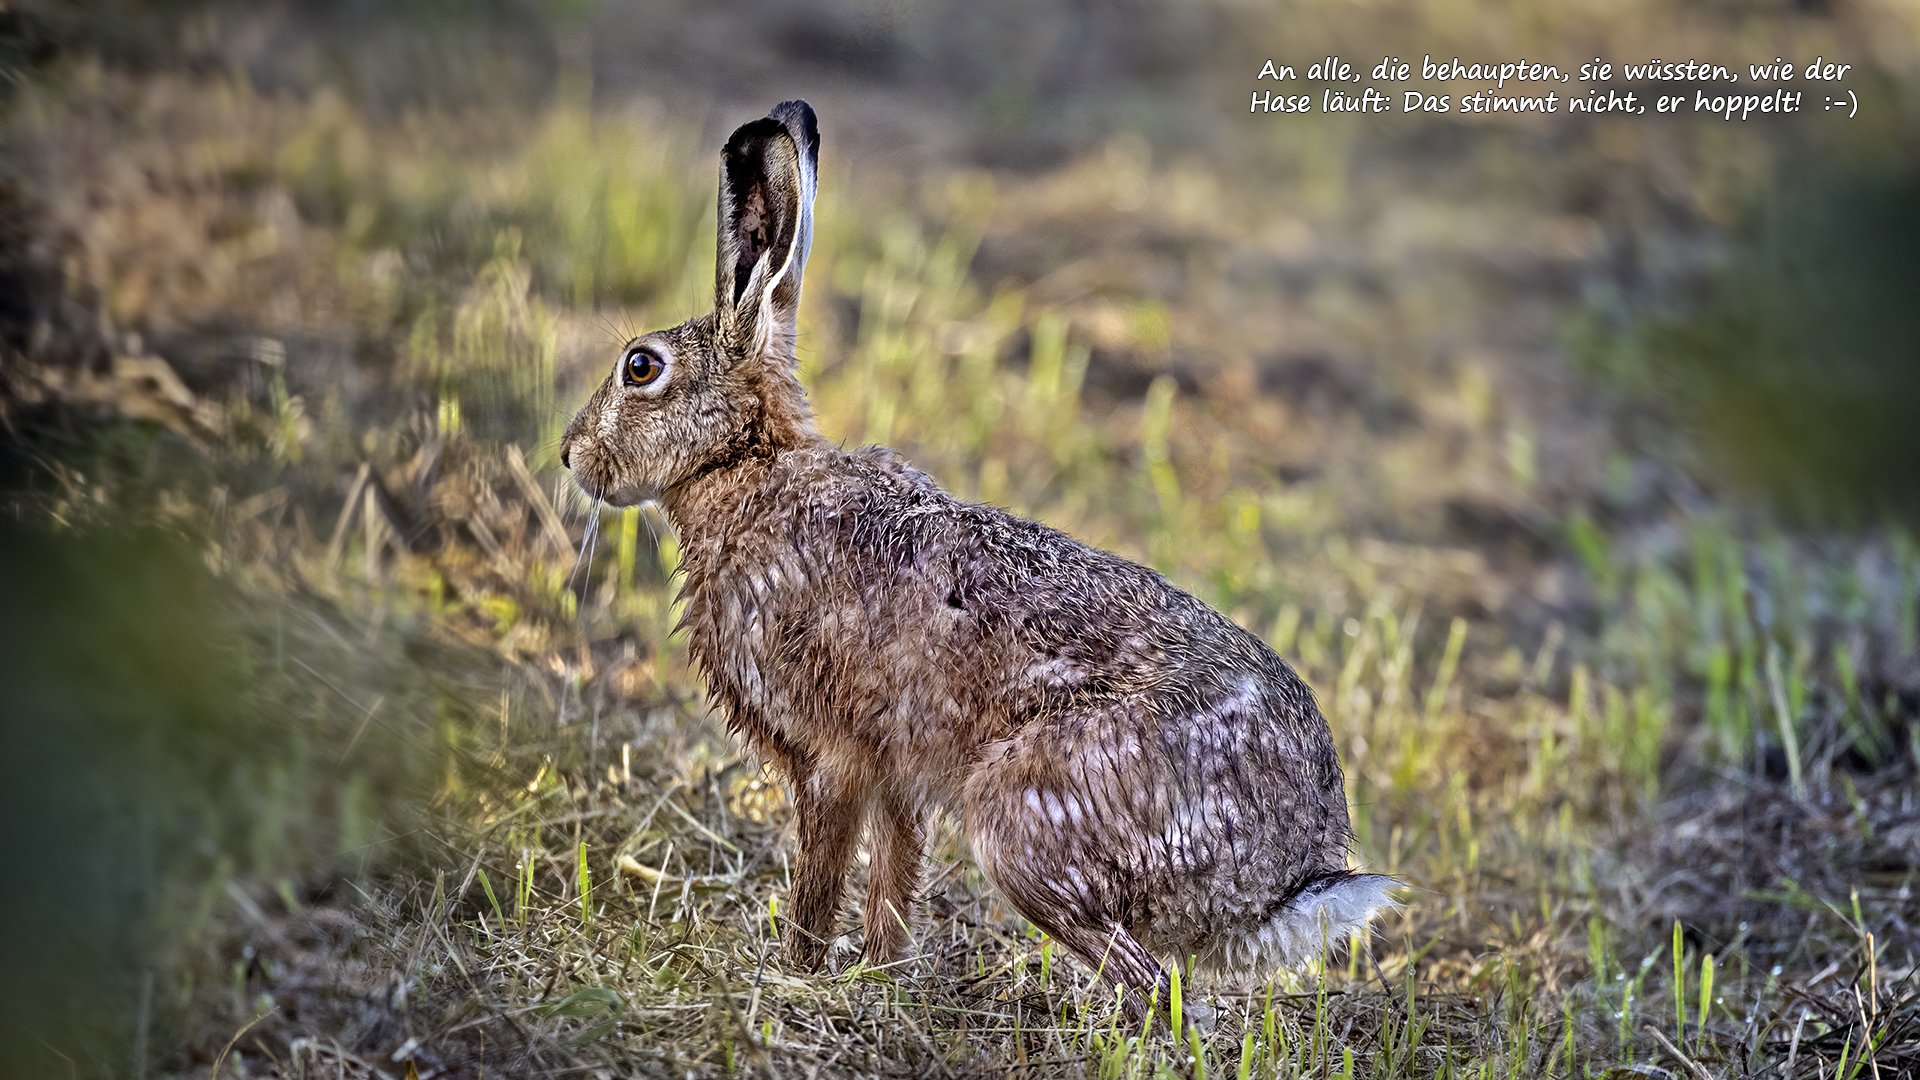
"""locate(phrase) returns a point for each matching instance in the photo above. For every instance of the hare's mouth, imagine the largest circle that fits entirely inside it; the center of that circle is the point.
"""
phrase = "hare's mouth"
(629, 495)
(599, 486)
(595, 476)
(600, 482)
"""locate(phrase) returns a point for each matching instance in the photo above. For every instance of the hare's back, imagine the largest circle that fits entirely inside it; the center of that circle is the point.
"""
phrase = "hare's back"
(1065, 617)
(1055, 625)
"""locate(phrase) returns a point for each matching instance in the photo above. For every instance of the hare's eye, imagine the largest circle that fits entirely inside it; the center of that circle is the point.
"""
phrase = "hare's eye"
(642, 367)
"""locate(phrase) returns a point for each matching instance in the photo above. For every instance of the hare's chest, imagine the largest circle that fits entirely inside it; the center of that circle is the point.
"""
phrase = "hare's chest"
(746, 638)
(776, 639)
(816, 663)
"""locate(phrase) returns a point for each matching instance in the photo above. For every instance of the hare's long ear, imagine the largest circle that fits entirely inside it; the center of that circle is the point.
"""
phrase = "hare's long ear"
(766, 226)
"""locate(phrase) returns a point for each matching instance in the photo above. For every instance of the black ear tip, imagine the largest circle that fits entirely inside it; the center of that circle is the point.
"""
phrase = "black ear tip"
(797, 117)
(794, 112)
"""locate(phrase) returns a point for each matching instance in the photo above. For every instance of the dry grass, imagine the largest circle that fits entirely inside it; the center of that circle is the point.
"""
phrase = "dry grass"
(1646, 761)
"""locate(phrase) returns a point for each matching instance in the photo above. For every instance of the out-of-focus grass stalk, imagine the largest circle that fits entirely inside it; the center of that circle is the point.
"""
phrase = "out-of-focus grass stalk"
(1789, 738)
(1679, 986)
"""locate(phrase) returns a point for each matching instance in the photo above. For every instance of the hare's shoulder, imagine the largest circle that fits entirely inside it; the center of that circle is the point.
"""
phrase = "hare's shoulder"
(887, 525)
(903, 531)
(874, 499)
(931, 566)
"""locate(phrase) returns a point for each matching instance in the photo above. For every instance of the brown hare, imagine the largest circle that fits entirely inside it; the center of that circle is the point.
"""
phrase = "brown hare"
(1140, 777)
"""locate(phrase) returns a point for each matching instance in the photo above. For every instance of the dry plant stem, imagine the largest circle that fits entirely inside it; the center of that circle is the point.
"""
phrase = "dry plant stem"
(1698, 1070)
(221, 1058)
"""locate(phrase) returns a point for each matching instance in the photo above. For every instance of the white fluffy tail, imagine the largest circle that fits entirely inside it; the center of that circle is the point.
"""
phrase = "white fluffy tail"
(1318, 917)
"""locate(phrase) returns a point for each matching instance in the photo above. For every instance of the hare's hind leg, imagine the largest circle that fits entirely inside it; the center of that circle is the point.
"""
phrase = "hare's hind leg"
(898, 837)
(1116, 956)
(1051, 857)
(1095, 937)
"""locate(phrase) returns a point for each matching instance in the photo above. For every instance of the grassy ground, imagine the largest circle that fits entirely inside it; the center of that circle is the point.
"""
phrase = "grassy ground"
(1644, 757)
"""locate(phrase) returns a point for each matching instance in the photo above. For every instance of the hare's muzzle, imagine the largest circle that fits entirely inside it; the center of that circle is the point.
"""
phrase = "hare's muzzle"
(587, 462)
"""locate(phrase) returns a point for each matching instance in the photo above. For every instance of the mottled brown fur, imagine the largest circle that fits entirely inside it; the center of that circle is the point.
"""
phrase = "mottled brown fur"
(1139, 776)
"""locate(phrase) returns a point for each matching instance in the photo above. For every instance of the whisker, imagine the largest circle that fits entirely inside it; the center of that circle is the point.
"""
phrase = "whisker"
(623, 331)
(651, 531)
(579, 555)
(585, 555)
(593, 542)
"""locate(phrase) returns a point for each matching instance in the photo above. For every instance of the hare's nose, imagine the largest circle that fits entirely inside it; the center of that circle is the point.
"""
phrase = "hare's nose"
(565, 453)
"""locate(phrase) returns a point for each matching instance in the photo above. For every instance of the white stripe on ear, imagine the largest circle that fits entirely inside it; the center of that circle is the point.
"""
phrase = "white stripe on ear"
(802, 127)
(769, 320)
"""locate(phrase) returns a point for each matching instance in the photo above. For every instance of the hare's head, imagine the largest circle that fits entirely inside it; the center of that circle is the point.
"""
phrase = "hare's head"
(720, 388)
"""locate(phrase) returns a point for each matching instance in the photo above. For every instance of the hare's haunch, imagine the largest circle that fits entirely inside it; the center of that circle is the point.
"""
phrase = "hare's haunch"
(1140, 777)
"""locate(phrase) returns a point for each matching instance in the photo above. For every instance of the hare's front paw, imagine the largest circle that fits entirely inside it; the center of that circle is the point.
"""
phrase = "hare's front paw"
(806, 952)
(1202, 1015)
(843, 953)
(801, 951)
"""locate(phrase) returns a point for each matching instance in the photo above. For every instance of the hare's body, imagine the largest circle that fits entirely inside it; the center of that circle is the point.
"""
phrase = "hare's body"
(1122, 756)
(1137, 774)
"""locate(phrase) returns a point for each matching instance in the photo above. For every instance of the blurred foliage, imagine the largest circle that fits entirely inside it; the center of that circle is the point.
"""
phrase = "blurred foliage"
(1802, 370)
(393, 53)
(163, 734)
(118, 744)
